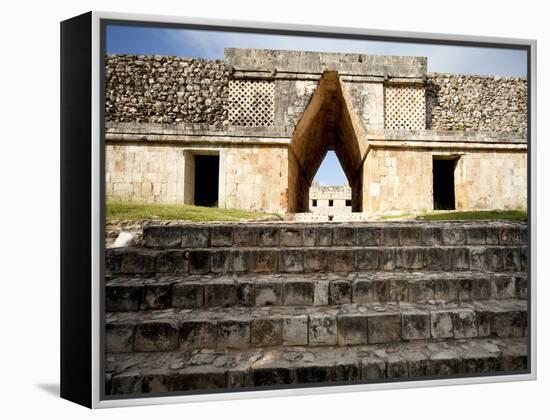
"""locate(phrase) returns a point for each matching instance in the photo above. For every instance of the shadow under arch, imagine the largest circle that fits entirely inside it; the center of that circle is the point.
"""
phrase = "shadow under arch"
(328, 123)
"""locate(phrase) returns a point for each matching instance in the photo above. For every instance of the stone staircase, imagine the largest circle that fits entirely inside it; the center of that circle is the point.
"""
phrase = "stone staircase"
(245, 305)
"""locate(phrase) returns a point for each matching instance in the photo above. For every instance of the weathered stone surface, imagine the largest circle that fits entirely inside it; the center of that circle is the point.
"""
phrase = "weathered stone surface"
(188, 295)
(396, 367)
(233, 334)
(343, 236)
(352, 329)
(156, 296)
(421, 290)
(220, 261)
(416, 325)
(122, 298)
(410, 236)
(323, 236)
(464, 323)
(384, 328)
(245, 236)
(291, 261)
(299, 293)
(439, 258)
(453, 236)
(138, 261)
(266, 332)
(291, 237)
(162, 236)
(390, 236)
(173, 261)
(195, 237)
(339, 292)
(268, 294)
(373, 368)
(295, 331)
(119, 338)
(432, 236)
(221, 236)
(446, 363)
(409, 258)
(475, 235)
(197, 334)
(221, 294)
(268, 236)
(240, 261)
(322, 330)
(199, 262)
(264, 262)
(512, 259)
(366, 259)
(494, 258)
(341, 260)
(315, 260)
(156, 335)
(441, 324)
(368, 236)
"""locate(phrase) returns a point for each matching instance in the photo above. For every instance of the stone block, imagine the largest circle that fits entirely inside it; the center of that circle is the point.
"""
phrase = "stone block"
(341, 260)
(239, 378)
(295, 331)
(323, 236)
(492, 235)
(421, 290)
(220, 261)
(521, 287)
(482, 289)
(156, 335)
(343, 236)
(465, 289)
(339, 292)
(268, 236)
(384, 328)
(188, 295)
(478, 259)
(475, 235)
(418, 364)
(245, 236)
(291, 261)
(264, 261)
(416, 326)
(122, 298)
(246, 295)
(352, 329)
(220, 293)
(127, 383)
(119, 338)
(386, 259)
(523, 235)
(446, 290)
(396, 367)
(441, 324)
(314, 372)
(156, 296)
(113, 260)
(445, 363)
(322, 330)
(494, 259)
(198, 334)
(410, 236)
(266, 332)
(368, 236)
(138, 261)
(399, 290)
(481, 363)
(438, 258)
(197, 378)
(389, 236)
(410, 258)
(268, 293)
(267, 376)
(162, 236)
(345, 372)
(381, 290)
(240, 261)
(373, 368)
(309, 234)
(173, 261)
(524, 258)
(195, 237)
(315, 260)
(432, 236)
(291, 237)
(362, 291)
(511, 258)
(508, 324)
(320, 297)
(509, 235)
(299, 293)
(233, 334)
(221, 236)
(366, 259)
(199, 262)
(464, 323)
(453, 236)
(460, 258)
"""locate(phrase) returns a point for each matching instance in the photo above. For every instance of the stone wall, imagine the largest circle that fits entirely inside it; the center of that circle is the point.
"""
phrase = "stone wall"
(160, 89)
(461, 102)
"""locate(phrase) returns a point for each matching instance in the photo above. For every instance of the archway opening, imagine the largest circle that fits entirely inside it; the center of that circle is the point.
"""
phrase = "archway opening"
(327, 124)
(330, 193)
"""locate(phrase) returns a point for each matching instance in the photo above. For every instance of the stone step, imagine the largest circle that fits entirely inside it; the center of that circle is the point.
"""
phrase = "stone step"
(137, 373)
(133, 293)
(193, 235)
(347, 324)
(316, 259)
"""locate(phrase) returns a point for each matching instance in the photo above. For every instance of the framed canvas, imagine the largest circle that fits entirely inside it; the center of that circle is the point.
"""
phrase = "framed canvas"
(254, 209)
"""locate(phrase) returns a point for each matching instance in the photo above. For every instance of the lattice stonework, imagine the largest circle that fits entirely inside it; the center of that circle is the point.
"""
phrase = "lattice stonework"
(251, 102)
(405, 108)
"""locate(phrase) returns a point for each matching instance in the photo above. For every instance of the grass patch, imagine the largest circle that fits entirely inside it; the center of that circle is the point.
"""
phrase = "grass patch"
(396, 216)
(477, 215)
(121, 210)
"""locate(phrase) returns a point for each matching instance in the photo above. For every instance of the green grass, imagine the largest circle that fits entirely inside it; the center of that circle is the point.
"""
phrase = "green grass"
(120, 210)
(476, 215)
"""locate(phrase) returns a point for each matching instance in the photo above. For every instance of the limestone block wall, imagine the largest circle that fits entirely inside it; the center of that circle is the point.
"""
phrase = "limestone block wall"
(463, 102)
(251, 177)
(397, 180)
(164, 89)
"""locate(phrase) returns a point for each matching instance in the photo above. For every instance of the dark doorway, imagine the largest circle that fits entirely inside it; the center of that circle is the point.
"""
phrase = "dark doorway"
(444, 184)
(207, 174)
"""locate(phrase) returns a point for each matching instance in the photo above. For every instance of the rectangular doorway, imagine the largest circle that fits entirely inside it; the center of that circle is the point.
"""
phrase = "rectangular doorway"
(444, 183)
(207, 177)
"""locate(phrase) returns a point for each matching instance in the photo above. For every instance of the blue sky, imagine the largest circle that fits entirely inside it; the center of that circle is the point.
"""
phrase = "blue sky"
(210, 44)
